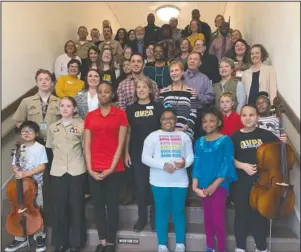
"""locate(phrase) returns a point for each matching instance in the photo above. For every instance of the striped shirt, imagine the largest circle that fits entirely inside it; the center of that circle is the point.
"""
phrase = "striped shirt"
(270, 123)
(184, 104)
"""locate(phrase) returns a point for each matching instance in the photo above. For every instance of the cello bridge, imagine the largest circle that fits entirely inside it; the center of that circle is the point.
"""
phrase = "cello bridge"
(21, 210)
(282, 184)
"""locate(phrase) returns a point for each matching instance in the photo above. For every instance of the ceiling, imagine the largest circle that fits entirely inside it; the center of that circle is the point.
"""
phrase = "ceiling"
(138, 12)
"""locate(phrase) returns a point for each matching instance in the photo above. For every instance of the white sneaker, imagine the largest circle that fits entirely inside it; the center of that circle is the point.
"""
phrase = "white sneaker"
(239, 250)
(162, 248)
(257, 250)
(180, 247)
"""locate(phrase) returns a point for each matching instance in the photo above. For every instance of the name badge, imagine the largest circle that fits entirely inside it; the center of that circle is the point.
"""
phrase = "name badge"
(69, 82)
(149, 107)
(43, 126)
(239, 74)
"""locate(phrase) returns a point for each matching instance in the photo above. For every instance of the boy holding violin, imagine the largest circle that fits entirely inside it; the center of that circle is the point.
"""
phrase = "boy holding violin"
(33, 161)
(246, 141)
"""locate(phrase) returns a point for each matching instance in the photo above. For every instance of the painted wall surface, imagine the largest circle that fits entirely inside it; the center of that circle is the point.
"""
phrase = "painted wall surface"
(34, 34)
(276, 25)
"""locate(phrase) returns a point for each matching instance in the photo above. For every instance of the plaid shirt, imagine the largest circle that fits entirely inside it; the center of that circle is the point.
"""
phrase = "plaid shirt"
(126, 91)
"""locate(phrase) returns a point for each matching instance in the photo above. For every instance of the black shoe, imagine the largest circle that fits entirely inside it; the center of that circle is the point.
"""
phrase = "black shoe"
(15, 245)
(62, 249)
(139, 225)
(41, 246)
(100, 248)
(74, 250)
(110, 248)
(128, 200)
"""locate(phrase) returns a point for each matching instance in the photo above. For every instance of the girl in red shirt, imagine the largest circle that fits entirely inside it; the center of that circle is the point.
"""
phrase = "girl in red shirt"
(104, 138)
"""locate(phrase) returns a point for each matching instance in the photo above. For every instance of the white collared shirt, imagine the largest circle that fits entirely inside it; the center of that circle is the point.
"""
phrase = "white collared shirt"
(92, 102)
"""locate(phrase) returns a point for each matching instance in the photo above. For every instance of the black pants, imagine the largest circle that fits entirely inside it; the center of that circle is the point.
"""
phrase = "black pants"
(104, 194)
(246, 219)
(68, 222)
(143, 192)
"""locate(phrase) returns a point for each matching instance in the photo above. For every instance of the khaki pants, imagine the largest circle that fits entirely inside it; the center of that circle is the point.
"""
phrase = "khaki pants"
(39, 202)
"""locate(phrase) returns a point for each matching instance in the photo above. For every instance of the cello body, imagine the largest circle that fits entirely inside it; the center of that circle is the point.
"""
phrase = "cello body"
(24, 218)
(273, 196)
(266, 193)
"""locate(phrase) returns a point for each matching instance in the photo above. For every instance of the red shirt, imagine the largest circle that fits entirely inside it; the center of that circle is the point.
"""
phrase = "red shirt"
(104, 137)
(232, 123)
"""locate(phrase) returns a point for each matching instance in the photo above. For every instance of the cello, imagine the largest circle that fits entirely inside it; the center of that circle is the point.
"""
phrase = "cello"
(25, 218)
(273, 195)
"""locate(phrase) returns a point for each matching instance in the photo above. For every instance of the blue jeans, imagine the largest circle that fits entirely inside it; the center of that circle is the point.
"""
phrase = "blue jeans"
(170, 199)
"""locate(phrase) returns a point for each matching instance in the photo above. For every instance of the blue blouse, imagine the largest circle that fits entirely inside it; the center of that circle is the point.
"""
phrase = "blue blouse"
(213, 160)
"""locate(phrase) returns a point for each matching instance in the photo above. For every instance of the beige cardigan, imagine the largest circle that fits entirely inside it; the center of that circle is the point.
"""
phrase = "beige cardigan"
(267, 81)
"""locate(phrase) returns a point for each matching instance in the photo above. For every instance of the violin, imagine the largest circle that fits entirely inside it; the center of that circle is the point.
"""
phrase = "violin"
(24, 218)
(273, 195)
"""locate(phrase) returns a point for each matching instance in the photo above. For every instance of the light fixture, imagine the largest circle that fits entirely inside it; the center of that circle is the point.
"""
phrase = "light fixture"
(165, 13)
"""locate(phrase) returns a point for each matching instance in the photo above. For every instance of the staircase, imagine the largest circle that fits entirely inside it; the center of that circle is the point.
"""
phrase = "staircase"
(283, 239)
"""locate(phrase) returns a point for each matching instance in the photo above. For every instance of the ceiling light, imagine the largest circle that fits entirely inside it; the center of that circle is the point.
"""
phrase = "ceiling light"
(165, 13)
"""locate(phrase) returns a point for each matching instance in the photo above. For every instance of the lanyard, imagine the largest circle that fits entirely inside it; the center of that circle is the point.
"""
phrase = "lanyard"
(44, 107)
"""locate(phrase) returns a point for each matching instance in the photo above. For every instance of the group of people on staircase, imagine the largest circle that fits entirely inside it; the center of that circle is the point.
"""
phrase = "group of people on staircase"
(137, 105)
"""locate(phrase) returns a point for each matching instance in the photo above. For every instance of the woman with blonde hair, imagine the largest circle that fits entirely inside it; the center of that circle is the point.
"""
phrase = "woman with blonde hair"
(144, 118)
(181, 98)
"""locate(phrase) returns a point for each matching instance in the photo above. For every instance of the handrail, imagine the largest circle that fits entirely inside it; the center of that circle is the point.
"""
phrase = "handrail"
(292, 117)
(11, 108)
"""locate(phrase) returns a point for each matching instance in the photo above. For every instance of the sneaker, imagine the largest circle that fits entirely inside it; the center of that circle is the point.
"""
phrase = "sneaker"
(162, 248)
(239, 250)
(210, 250)
(15, 245)
(180, 247)
(257, 250)
(41, 246)
(110, 248)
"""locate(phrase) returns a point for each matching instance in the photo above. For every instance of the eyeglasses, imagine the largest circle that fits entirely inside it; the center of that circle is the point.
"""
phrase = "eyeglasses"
(168, 105)
(27, 132)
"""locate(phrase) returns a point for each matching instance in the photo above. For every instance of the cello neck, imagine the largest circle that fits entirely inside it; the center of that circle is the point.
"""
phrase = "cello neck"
(19, 181)
(284, 169)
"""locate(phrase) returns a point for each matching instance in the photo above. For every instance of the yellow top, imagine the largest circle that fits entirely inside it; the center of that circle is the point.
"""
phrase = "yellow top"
(195, 37)
(68, 85)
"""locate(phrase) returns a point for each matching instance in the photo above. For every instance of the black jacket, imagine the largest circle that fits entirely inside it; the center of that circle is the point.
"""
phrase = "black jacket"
(210, 67)
(151, 34)
(134, 46)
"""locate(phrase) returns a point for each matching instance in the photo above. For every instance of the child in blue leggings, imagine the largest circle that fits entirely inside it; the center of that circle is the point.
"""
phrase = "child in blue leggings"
(168, 153)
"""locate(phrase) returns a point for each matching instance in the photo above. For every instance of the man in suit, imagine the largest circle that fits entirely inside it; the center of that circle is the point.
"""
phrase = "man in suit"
(139, 45)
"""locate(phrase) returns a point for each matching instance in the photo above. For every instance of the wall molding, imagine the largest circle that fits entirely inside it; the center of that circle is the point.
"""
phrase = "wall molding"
(11, 108)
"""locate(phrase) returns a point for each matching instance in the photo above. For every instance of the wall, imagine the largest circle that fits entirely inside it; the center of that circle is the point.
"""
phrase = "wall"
(34, 34)
(276, 25)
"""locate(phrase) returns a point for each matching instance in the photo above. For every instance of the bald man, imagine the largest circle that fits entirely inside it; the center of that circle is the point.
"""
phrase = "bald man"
(203, 27)
(139, 45)
(151, 30)
(176, 32)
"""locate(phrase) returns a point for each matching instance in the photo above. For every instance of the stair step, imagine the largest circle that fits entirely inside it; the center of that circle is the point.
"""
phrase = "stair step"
(283, 239)
(194, 214)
